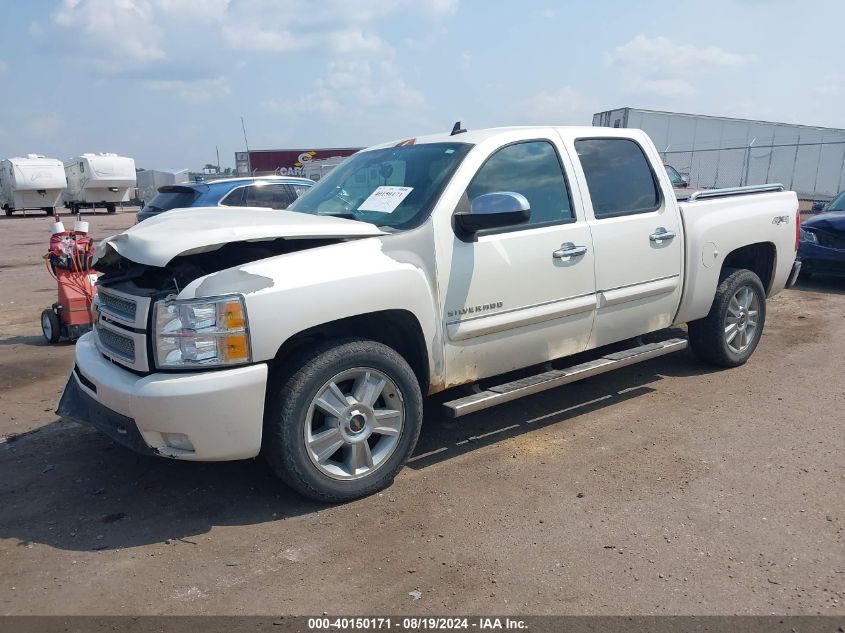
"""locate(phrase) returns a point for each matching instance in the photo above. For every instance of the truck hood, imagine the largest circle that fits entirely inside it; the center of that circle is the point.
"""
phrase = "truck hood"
(159, 239)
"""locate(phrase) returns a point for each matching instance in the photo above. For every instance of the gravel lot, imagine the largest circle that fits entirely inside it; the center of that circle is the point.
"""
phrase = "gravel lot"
(665, 487)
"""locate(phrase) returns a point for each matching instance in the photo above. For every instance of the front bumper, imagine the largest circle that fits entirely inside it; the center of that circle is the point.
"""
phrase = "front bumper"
(221, 413)
(822, 259)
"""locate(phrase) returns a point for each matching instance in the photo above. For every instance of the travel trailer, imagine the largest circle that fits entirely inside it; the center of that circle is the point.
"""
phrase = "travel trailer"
(31, 182)
(98, 180)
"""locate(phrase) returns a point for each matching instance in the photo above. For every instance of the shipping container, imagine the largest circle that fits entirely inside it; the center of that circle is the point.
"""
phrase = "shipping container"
(727, 152)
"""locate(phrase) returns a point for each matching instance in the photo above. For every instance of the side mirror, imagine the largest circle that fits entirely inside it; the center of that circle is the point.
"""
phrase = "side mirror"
(492, 211)
(818, 206)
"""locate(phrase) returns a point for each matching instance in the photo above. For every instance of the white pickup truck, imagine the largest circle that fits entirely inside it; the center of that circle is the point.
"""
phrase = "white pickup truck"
(311, 335)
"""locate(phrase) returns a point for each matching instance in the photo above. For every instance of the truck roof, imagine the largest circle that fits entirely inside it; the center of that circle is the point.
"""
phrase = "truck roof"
(475, 137)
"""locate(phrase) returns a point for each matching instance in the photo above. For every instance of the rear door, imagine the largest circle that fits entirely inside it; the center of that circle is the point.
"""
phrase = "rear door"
(637, 237)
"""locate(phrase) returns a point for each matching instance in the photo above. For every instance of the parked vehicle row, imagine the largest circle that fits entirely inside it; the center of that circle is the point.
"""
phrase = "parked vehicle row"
(822, 249)
(88, 181)
(312, 334)
(274, 192)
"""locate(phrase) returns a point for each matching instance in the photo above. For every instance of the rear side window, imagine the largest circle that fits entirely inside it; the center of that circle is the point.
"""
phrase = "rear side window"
(619, 177)
(234, 198)
(274, 196)
(532, 169)
(300, 189)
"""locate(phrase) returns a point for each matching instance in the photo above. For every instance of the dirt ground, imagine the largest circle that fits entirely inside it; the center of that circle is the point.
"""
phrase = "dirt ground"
(665, 487)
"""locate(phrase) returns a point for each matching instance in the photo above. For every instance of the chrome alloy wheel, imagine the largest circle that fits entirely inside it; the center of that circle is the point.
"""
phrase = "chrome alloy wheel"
(741, 319)
(354, 423)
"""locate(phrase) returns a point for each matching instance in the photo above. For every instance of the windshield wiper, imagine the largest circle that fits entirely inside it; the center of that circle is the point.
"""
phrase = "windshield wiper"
(344, 215)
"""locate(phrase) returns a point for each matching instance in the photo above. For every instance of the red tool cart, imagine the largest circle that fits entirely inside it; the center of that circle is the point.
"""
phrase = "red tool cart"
(69, 263)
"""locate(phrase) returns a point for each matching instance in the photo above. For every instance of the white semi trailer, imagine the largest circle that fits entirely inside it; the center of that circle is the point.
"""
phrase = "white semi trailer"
(31, 182)
(149, 180)
(98, 180)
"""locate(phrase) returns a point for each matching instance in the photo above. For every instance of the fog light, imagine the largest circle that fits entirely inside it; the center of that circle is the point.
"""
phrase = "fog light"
(179, 441)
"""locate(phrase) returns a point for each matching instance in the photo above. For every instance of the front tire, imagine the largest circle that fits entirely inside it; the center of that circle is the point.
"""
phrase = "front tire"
(729, 334)
(110, 208)
(343, 421)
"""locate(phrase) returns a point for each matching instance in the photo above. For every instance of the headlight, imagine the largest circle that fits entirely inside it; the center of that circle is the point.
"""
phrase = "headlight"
(809, 236)
(201, 332)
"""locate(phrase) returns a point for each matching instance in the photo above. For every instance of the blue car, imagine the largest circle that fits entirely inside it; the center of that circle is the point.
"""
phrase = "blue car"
(276, 192)
(822, 243)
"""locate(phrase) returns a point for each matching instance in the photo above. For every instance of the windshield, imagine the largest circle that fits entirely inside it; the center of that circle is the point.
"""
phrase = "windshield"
(392, 187)
(167, 200)
(837, 204)
(674, 176)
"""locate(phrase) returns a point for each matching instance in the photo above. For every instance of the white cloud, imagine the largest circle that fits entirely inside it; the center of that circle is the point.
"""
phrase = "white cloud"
(120, 35)
(281, 26)
(466, 61)
(43, 125)
(659, 66)
(354, 86)
(831, 86)
(3, 66)
(198, 91)
(552, 107)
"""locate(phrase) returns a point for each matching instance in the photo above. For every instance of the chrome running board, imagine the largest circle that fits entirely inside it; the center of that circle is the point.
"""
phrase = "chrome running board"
(557, 377)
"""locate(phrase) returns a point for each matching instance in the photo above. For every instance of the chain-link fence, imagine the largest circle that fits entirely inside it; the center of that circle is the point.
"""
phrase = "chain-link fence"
(816, 171)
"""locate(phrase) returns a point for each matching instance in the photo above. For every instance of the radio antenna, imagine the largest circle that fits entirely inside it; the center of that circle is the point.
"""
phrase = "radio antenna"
(246, 142)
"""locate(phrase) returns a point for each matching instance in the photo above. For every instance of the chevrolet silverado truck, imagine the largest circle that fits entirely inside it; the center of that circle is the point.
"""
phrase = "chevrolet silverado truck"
(483, 259)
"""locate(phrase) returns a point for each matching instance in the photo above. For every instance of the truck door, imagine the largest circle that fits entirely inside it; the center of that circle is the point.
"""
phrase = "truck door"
(637, 238)
(523, 294)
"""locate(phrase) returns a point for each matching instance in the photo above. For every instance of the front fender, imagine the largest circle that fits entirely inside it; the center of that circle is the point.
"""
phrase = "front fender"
(291, 293)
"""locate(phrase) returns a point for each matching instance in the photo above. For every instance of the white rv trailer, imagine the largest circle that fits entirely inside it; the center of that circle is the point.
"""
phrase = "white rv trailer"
(98, 180)
(31, 182)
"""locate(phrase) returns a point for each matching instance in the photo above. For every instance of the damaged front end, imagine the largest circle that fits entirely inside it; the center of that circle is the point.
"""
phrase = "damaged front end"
(158, 259)
(822, 244)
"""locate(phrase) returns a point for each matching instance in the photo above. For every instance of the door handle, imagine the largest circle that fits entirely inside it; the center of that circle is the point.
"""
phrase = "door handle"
(569, 250)
(661, 234)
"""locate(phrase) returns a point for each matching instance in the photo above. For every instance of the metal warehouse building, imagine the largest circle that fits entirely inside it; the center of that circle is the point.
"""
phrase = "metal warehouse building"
(724, 152)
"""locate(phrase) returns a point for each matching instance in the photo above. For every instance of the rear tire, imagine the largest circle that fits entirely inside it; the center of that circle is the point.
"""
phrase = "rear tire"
(51, 328)
(48, 210)
(8, 211)
(110, 208)
(729, 334)
(378, 405)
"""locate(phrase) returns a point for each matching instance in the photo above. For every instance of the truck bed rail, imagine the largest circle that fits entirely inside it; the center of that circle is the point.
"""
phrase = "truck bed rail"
(733, 191)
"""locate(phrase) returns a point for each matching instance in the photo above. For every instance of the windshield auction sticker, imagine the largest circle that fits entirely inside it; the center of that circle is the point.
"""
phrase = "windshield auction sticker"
(385, 199)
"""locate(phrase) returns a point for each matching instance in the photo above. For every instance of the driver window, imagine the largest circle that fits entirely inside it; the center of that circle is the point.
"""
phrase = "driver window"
(532, 169)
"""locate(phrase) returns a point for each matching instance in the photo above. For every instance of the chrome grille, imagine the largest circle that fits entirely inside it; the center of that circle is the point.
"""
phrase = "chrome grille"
(117, 344)
(125, 308)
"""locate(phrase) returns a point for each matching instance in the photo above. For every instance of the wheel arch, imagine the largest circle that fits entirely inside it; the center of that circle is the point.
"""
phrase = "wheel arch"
(760, 258)
(398, 329)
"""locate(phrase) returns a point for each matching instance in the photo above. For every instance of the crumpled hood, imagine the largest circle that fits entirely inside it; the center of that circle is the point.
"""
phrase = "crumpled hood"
(833, 221)
(156, 241)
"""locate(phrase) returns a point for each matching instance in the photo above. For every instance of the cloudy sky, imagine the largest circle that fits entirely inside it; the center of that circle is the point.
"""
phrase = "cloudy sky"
(164, 81)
